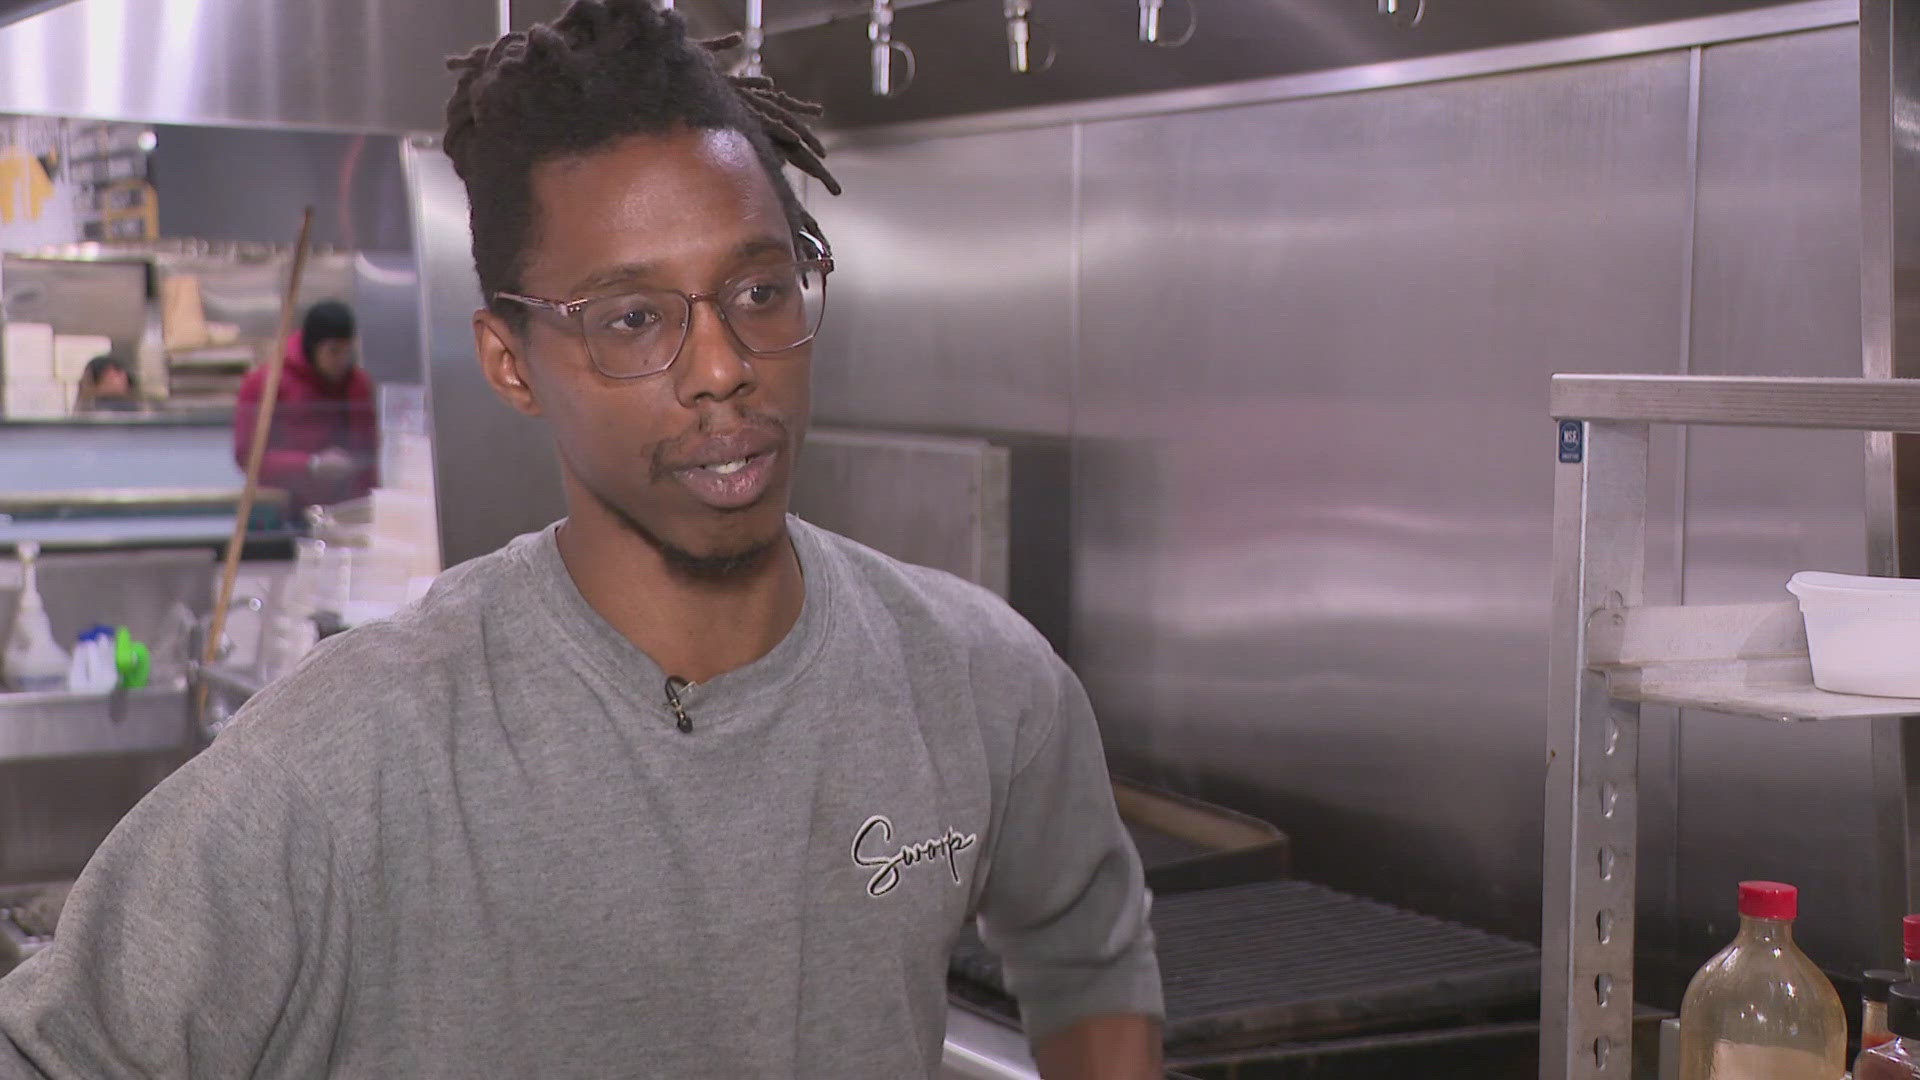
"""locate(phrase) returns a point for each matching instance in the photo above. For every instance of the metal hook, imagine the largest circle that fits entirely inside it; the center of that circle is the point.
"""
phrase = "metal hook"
(1150, 28)
(1053, 51)
(913, 68)
(1020, 32)
(1406, 14)
(752, 37)
(880, 34)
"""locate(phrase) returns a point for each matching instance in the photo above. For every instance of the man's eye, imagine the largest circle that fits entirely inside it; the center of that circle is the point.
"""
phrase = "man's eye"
(762, 294)
(634, 319)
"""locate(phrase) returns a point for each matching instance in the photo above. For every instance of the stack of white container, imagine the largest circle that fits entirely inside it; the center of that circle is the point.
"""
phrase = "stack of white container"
(32, 389)
(44, 369)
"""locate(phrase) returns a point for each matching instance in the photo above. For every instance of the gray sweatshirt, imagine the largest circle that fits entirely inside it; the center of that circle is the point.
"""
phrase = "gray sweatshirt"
(474, 840)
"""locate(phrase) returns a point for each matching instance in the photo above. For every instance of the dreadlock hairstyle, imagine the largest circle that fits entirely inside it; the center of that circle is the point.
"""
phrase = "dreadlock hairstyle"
(604, 70)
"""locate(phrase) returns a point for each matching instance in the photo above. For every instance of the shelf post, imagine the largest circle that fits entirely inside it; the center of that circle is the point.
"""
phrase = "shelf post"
(1890, 343)
(1599, 560)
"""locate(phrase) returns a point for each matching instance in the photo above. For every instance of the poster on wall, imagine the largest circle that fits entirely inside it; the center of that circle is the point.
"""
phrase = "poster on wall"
(66, 181)
(38, 202)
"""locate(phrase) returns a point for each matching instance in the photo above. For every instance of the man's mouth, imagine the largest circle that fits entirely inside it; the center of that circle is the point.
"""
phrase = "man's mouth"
(733, 483)
(731, 469)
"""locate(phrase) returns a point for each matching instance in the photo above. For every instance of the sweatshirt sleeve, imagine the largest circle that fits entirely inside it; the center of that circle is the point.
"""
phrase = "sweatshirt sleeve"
(207, 937)
(1065, 904)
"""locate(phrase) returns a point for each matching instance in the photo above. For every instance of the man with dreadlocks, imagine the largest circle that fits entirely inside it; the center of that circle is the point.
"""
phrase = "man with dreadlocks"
(680, 786)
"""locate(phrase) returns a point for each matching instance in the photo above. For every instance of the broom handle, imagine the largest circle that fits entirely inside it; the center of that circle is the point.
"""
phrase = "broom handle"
(262, 423)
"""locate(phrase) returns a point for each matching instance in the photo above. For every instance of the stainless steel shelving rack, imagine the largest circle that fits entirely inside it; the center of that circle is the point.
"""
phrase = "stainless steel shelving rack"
(1610, 652)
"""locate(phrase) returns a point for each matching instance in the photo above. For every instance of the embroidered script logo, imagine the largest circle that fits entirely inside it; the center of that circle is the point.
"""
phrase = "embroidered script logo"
(869, 846)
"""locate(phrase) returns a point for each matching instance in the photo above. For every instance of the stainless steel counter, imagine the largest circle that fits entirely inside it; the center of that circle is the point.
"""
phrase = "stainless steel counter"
(982, 1049)
(126, 517)
(60, 724)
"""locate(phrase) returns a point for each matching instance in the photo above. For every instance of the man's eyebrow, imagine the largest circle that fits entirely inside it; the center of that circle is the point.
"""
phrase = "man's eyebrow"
(631, 272)
(762, 245)
(623, 274)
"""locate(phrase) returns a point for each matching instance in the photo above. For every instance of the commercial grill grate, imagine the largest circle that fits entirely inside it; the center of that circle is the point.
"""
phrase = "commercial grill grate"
(1288, 961)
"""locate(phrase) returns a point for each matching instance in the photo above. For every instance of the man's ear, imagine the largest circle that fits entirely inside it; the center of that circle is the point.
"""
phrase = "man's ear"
(500, 361)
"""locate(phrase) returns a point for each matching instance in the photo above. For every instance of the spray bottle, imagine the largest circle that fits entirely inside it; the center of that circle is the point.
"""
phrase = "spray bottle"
(32, 660)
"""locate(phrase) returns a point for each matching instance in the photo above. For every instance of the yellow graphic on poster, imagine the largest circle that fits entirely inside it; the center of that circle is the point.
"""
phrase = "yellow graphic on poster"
(10, 173)
(24, 185)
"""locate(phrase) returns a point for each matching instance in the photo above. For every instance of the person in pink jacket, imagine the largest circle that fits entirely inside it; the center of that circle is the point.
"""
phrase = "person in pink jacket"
(324, 443)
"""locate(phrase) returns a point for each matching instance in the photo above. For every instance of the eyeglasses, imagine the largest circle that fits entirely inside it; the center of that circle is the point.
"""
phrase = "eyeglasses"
(768, 310)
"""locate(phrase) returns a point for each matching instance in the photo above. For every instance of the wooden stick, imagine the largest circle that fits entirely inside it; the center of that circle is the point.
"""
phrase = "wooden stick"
(262, 424)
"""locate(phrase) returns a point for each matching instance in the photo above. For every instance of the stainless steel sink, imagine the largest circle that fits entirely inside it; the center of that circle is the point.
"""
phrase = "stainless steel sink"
(60, 724)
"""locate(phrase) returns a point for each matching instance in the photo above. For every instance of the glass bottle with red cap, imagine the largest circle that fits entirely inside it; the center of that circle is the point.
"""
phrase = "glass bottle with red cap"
(1899, 1059)
(1910, 937)
(1760, 1010)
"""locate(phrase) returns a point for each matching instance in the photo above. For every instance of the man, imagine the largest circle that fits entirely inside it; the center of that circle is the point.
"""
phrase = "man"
(325, 438)
(679, 787)
(106, 386)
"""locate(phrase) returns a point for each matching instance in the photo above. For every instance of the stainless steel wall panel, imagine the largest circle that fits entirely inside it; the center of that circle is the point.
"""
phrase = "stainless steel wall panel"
(1314, 480)
(495, 474)
(386, 300)
(939, 502)
(372, 65)
(951, 301)
(1777, 292)
(220, 183)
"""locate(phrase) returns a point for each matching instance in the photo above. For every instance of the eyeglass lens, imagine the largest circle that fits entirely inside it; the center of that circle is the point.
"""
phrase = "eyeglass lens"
(642, 331)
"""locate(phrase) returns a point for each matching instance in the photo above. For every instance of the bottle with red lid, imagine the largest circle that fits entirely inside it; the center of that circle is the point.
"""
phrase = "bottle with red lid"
(1760, 1010)
(1910, 938)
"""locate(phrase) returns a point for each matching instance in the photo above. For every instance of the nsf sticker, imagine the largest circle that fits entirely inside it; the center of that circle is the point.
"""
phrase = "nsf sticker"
(1573, 442)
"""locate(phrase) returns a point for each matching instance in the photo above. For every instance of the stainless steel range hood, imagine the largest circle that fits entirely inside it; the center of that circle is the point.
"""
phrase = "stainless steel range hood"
(15, 10)
(819, 48)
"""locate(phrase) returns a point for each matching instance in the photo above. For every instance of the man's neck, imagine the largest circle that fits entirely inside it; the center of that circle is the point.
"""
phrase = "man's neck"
(695, 628)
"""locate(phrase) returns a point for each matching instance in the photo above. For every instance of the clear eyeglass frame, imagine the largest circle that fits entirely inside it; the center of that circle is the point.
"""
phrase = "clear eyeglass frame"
(605, 350)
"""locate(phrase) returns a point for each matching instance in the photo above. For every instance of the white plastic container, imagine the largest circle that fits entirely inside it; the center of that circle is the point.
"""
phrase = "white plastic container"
(1863, 633)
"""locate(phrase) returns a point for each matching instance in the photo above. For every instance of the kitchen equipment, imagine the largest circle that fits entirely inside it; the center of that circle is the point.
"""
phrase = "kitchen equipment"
(1863, 633)
(1187, 844)
(1287, 961)
(1251, 960)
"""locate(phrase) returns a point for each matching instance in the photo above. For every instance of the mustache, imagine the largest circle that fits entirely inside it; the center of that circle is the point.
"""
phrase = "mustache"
(670, 456)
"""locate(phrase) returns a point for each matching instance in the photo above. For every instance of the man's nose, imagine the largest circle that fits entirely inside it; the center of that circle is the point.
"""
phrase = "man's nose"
(712, 364)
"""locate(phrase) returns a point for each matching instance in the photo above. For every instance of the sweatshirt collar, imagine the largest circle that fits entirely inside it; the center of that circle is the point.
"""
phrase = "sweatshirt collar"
(616, 658)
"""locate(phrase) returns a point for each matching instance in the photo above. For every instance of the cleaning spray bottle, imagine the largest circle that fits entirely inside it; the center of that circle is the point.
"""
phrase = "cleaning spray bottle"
(33, 660)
